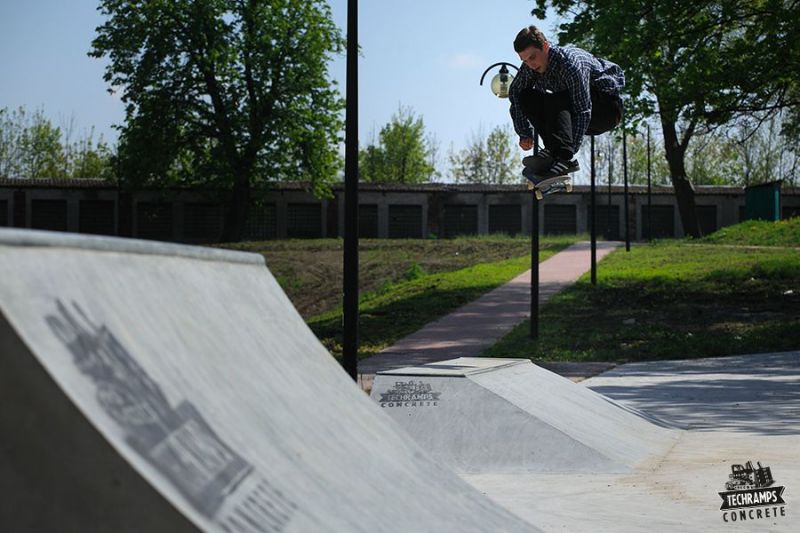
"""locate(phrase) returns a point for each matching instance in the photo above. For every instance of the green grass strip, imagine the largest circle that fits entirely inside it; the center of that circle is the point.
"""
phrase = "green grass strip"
(670, 300)
(399, 309)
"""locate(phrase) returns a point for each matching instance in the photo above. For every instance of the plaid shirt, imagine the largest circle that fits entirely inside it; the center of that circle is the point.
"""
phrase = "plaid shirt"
(568, 69)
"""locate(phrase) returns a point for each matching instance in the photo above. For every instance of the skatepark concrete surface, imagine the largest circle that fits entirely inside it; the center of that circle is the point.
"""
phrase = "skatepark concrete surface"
(157, 387)
(154, 387)
(643, 447)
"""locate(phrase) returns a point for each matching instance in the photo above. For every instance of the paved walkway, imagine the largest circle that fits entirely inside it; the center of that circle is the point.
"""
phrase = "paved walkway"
(476, 326)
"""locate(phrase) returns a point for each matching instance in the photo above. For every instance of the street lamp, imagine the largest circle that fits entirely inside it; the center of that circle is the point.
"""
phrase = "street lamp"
(502, 80)
(500, 85)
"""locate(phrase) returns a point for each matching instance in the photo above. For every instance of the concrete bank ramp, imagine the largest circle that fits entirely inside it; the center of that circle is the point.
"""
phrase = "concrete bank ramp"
(510, 416)
(152, 387)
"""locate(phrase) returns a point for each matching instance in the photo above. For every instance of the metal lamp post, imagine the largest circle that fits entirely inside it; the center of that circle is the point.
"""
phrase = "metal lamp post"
(649, 191)
(500, 86)
(593, 217)
(600, 158)
(350, 303)
(626, 195)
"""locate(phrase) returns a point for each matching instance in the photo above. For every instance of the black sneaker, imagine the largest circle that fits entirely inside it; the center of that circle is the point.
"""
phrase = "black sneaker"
(539, 162)
(559, 168)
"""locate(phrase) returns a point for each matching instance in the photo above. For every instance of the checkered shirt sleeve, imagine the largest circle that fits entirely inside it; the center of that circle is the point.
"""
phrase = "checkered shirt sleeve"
(576, 79)
(524, 79)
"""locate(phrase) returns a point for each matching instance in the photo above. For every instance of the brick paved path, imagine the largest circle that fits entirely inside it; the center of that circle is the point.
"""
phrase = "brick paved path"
(479, 324)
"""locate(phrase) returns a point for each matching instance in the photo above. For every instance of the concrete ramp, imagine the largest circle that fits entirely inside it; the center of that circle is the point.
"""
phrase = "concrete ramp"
(508, 415)
(152, 387)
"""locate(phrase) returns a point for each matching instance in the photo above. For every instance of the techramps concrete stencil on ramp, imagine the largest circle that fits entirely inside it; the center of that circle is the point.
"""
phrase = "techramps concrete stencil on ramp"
(153, 387)
(509, 415)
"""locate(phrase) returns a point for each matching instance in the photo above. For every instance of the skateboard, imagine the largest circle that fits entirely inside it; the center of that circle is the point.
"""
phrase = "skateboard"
(550, 186)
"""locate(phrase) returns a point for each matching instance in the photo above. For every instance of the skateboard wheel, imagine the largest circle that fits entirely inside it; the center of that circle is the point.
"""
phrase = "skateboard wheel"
(531, 186)
(568, 186)
(538, 194)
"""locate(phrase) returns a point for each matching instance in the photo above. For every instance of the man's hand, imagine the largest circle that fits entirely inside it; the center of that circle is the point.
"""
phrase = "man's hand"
(526, 143)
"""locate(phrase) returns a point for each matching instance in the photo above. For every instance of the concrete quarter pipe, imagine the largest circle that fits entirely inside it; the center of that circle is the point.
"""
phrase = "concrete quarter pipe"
(154, 387)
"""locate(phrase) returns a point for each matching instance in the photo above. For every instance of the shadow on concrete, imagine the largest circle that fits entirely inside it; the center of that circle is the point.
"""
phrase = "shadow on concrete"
(756, 394)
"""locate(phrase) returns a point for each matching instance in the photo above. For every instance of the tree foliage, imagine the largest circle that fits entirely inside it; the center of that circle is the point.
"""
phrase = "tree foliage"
(490, 159)
(769, 153)
(638, 162)
(730, 157)
(698, 66)
(32, 147)
(402, 153)
(233, 93)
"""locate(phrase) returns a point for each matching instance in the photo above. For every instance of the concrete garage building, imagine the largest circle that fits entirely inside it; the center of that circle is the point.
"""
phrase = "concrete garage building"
(288, 210)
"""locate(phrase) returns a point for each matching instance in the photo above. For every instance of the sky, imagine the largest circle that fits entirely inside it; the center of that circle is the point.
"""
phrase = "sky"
(426, 55)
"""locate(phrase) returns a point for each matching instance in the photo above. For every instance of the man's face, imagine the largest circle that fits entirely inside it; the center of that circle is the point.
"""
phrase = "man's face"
(535, 58)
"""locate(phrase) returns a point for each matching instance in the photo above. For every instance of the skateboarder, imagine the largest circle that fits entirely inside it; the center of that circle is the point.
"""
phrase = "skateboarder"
(563, 93)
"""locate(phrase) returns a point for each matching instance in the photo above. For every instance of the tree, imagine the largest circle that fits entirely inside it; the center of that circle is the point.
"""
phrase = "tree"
(31, 147)
(88, 158)
(768, 153)
(10, 132)
(637, 161)
(736, 157)
(233, 93)
(696, 66)
(402, 155)
(40, 152)
(713, 160)
(488, 158)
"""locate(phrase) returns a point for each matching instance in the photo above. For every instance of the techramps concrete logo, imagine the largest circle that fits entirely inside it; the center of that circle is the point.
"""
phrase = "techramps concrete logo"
(750, 494)
(177, 441)
(410, 394)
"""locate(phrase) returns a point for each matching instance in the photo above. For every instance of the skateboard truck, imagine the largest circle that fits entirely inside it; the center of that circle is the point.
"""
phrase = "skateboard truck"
(550, 186)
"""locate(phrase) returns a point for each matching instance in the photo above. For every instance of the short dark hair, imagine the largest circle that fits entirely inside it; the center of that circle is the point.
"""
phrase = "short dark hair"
(527, 37)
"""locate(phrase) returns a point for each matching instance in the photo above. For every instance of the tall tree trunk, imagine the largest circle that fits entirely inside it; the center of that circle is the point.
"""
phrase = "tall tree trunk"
(236, 213)
(684, 191)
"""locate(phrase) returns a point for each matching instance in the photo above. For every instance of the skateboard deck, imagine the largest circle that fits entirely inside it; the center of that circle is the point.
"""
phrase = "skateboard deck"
(550, 186)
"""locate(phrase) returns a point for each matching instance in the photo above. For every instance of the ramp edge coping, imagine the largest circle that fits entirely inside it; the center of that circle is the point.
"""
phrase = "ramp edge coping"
(56, 239)
(460, 367)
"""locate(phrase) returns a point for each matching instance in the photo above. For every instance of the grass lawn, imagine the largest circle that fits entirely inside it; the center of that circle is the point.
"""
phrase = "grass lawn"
(675, 299)
(398, 308)
(310, 271)
(758, 233)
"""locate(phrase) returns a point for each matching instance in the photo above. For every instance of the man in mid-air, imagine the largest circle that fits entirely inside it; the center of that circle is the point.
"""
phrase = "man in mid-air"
(562, 94)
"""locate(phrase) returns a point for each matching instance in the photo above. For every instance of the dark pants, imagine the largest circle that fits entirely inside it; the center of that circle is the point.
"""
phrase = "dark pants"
(551, 116)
